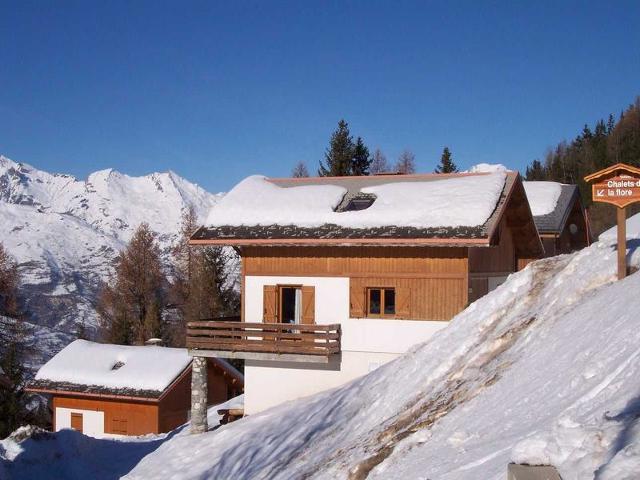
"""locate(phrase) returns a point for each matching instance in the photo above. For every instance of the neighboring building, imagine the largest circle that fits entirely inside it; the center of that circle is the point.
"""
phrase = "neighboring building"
(364, 267)
(104, 390)
(560, 218)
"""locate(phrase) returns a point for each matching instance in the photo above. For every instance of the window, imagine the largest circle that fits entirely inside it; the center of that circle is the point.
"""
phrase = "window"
(356, 204)
(76, 421)
(381, 302)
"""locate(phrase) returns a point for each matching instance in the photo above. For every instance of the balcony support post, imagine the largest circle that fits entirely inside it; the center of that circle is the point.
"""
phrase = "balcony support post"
(199, 395)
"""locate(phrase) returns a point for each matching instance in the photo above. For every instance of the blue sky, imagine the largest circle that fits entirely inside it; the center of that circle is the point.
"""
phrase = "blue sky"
(218, 91)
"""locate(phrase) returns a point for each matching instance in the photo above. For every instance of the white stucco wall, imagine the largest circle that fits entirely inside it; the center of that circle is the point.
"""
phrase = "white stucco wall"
(366, 343)
(267, 384)
(92, 421)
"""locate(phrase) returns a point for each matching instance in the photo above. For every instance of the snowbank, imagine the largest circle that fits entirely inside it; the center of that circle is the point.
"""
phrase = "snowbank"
(116, 366)
(633, 229)
(450, 202)
(543, 196)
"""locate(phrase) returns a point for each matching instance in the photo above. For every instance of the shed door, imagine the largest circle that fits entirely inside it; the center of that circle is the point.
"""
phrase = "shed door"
(76, 421)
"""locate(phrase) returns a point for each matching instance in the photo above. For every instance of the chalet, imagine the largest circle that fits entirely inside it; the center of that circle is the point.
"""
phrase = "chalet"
(559, 216)
(343, 274)
(103, 390)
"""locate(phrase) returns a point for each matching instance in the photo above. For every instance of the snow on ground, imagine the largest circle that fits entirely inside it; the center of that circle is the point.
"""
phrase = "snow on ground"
(543, 369)
(116, 366)
(450, 202)
(543, 196)
(633, 229)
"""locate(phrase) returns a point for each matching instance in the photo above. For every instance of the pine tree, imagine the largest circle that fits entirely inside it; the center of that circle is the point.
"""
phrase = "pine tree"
(300, 170)
(446, 163)
(406, 163)
(203, 284)
(13, 347)
(131, 305)
(535, 171)
(339, 155)
(379, 163)
(361, 161)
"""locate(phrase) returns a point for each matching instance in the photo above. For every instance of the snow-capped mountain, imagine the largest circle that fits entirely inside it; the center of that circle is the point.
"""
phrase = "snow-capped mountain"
(65, 233)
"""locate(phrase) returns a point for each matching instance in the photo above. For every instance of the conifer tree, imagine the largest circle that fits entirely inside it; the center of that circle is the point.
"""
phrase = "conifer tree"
(13, 347)
(379, 163)
(406, 163)
(535, 171)
(300, 170)
(339, 155)
(132, 304)
(446, 163)
(361, 161)
(203, 286)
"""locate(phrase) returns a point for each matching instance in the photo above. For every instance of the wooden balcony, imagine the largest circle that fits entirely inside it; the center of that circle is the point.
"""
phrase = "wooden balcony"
(264, 341)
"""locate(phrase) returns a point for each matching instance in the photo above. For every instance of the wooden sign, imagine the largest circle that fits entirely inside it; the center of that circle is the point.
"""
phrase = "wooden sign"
(621, 190)
(618, 185)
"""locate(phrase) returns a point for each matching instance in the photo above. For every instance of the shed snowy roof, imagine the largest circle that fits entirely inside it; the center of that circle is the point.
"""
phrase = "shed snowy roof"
(551, 204)
(438, 209)
(89, 367)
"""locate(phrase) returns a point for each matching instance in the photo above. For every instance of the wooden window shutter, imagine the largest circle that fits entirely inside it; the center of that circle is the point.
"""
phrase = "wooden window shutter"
(356, 302)
(76, 421)
(403, 302)
(308, 305)
(269, 301)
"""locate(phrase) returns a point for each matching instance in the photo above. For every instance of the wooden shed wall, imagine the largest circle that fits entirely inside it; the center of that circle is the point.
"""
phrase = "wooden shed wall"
(494, 260)
(436, 277)
(141, 417)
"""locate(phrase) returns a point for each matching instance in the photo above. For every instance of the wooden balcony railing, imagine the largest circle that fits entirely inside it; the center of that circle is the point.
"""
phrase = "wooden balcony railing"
(263, 338)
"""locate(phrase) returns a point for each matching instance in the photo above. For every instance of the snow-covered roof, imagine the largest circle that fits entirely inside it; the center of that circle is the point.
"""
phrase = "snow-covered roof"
(430, 201)
(432, 209)
(100, 368)
(551, 203)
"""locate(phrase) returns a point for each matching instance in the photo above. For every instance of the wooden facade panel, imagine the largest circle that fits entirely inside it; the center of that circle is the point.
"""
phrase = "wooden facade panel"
(353, 261)
(142, 418)
(501, 258)
(428, 298)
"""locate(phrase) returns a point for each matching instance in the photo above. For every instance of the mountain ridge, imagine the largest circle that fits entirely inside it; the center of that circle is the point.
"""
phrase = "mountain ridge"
(65, 234)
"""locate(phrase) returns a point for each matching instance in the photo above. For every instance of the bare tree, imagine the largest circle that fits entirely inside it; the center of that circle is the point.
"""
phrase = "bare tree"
(300, 170)
(379, 162)
(406, 163)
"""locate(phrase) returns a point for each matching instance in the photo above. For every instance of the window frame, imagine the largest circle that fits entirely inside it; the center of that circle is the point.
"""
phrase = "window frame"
(368, 312)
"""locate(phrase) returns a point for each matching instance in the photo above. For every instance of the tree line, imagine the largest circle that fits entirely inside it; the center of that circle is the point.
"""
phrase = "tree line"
(147, 300)
(348, 157)
(594, 148)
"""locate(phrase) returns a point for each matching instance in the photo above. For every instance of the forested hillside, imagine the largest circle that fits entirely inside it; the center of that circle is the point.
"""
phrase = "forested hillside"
(607, 143)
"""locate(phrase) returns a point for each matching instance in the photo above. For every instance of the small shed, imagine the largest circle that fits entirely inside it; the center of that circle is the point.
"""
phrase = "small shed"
(559, 216)
(104, 390)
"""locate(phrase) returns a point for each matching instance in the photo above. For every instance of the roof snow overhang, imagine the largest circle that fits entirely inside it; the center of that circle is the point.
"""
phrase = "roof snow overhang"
(129, 394)
(512, 203)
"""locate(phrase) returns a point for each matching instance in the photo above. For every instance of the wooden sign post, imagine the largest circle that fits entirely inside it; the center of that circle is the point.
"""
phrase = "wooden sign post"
(618, 185)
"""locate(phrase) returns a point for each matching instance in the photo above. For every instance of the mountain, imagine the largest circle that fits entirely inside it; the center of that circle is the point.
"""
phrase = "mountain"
(65, 234)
